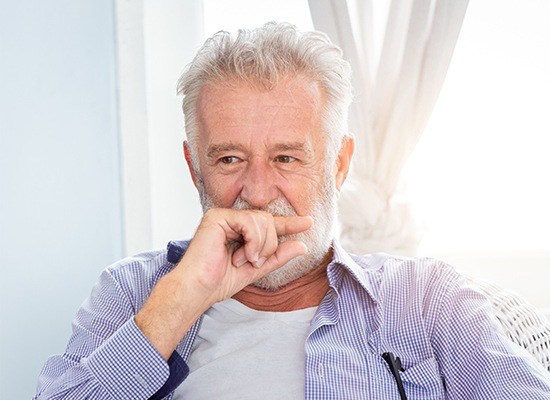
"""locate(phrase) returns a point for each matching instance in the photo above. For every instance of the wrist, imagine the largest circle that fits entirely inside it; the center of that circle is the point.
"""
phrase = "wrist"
(172, 308)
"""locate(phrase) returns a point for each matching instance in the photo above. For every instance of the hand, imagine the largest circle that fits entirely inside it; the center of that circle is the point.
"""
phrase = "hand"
(230, 250)
(233, 248)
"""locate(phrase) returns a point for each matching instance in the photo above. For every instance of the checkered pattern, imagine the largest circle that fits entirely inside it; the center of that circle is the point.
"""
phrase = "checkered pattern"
(421, 310)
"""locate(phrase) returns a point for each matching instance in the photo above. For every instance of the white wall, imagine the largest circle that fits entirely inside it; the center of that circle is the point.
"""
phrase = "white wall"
(173, 33)
(155, 42)
(70, 184)
(60, 210)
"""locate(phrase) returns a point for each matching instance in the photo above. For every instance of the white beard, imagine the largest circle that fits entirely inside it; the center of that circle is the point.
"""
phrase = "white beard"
(318, 238)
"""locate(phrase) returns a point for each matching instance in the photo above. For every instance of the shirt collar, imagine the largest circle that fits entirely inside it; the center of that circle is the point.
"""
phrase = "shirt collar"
(366, 270)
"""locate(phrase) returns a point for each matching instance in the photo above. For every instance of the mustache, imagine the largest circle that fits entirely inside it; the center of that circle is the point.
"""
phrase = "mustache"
(279, 207)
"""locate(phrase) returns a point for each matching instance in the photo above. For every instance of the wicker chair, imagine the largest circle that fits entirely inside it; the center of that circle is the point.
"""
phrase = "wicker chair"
(522, 322)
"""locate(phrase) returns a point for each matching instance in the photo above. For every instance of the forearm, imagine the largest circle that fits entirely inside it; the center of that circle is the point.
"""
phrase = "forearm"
(107, 355)
(210, 270)
(124, 366)
(175, 304)
(117, 353)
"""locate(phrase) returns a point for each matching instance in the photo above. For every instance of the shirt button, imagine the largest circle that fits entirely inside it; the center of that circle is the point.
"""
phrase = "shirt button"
(321, 370)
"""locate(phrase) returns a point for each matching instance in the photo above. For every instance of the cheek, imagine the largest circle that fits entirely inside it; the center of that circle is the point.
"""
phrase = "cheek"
(223, 191)
(302, 194)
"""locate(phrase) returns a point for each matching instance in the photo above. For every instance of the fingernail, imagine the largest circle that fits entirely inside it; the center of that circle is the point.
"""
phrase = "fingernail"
(240, 262)
(261, 262)
(255, 257)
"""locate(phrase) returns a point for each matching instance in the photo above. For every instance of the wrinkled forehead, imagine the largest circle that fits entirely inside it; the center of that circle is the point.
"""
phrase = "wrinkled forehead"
(292, 106)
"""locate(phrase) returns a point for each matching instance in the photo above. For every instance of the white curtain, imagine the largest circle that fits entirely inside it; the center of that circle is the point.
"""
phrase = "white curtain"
(393, 101)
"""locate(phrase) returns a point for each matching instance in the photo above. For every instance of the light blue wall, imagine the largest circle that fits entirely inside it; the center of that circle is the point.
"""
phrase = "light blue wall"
(60, 200)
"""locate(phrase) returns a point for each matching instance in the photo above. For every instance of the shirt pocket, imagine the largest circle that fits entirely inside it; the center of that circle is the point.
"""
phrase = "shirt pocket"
(423, 381)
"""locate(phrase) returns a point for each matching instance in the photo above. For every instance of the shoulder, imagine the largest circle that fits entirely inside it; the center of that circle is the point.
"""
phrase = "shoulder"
(423, 271)
(135, 276)
(143, 266)
(148, 264)
(423, 283)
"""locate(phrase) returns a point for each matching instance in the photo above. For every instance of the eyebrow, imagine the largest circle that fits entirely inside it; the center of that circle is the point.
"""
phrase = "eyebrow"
(220, 148)
(216, 149)
(293, 146)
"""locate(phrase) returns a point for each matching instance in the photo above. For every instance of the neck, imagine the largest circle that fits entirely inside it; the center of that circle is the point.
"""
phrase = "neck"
(304, 292)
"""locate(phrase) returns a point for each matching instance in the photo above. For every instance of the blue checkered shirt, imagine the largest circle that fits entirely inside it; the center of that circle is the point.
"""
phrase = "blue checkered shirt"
(420, 310)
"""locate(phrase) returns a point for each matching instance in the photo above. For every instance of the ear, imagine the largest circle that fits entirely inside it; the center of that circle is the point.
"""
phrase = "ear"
(344, 160)
(187, 154)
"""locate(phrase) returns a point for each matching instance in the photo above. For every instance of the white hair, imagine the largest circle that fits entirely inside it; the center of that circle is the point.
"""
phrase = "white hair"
(264, 56)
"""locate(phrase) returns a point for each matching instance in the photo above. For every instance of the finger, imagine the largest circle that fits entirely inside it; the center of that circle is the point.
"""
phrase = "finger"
(255, 228)
(253, 234)
(259, 232)
(259, 237)
(238, 258)
(270, 243)
(292, 225)
(246, 227)
(285, 252)
(260, 246)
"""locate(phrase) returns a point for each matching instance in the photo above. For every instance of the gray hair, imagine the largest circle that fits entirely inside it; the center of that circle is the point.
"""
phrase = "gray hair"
(263, 56)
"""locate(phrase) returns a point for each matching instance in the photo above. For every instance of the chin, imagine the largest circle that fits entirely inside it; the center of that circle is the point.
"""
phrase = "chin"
(288, 273)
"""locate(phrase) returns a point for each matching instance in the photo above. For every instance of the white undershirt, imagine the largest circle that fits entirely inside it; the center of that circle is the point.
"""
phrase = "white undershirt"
(241, 353)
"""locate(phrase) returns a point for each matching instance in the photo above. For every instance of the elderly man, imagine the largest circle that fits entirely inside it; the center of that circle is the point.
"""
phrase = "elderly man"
(263, 302)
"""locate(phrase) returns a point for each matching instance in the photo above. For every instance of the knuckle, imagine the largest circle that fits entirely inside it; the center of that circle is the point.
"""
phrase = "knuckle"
(249, 218)
(269, 217)
(266, 217)
(211, 217)
(212, 213)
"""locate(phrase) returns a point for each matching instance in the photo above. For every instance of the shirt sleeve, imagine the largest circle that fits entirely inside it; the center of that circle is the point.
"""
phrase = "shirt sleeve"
(107, 356)
(476, 359)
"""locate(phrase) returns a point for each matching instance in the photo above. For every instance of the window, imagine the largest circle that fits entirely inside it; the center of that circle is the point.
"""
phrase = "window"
(481, 170)
(479, 176)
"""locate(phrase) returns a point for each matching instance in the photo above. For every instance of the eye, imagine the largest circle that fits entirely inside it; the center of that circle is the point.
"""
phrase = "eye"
(229, 160)
(284, 159)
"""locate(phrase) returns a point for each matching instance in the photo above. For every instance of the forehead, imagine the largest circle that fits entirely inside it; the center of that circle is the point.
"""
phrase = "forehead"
(239, 110)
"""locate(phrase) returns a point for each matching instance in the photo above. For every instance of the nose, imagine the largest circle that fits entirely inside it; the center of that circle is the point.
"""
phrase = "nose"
(259, 186)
